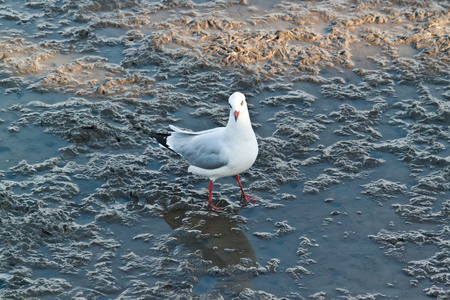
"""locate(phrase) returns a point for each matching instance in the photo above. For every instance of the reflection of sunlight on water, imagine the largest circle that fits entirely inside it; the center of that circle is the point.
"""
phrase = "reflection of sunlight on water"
(111, 32)
(206, 285)
(407, 50)
(360, 53)
(30, 144)
(114, 55)
(262, 4)
(59, 59)
(321, 26)
(84, 219)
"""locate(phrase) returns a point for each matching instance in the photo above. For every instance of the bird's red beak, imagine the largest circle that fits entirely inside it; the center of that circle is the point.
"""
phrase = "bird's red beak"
(236, 115)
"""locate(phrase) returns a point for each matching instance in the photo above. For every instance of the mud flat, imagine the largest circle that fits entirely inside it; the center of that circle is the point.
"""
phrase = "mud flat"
(350, 103)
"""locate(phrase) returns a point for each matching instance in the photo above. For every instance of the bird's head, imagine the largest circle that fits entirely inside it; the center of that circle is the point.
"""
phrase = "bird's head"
(238, 105)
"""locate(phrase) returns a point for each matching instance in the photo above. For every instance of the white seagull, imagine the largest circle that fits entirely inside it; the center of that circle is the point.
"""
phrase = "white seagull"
(217, 152)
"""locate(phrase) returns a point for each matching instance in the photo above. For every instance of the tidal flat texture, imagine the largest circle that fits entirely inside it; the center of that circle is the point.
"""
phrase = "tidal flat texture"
(350, 102)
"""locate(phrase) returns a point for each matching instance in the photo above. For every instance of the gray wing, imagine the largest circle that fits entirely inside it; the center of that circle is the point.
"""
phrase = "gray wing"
(201, 149)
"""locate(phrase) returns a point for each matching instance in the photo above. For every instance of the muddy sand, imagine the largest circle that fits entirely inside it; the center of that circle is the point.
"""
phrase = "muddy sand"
(350, 101)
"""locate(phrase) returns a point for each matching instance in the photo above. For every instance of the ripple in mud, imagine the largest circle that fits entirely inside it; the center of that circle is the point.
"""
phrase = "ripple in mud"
(350, 105)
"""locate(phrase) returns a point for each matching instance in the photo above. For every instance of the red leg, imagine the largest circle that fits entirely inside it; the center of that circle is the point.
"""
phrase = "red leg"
(249, 199)
(210, 189)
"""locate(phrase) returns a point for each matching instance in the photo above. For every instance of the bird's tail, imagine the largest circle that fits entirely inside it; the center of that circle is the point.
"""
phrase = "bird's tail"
(161, 138)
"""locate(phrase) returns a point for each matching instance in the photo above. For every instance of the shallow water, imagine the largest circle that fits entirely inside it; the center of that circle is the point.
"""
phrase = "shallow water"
(350, 105)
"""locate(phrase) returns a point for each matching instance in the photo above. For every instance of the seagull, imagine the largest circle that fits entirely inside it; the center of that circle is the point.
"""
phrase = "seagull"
(218, 152)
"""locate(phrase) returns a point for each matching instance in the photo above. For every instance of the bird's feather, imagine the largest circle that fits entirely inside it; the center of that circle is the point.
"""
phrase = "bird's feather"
(199, 148)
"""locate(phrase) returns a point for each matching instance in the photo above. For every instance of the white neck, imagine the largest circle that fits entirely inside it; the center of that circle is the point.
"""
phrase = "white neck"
(242, 121)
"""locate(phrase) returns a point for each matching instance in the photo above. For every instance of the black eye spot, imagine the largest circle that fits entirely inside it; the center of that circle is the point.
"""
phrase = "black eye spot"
(242, 102)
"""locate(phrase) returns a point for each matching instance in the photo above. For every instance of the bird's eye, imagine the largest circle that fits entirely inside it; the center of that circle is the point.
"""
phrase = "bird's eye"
(242, 102)
(230, 105)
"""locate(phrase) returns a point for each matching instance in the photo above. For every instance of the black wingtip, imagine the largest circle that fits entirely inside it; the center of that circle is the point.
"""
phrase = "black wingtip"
(161, 138)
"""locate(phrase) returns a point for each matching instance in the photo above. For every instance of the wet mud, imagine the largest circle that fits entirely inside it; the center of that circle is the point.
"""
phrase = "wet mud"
(350, 104)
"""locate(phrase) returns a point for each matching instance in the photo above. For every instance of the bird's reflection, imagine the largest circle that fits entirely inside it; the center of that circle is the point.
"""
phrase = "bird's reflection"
(219, 238)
